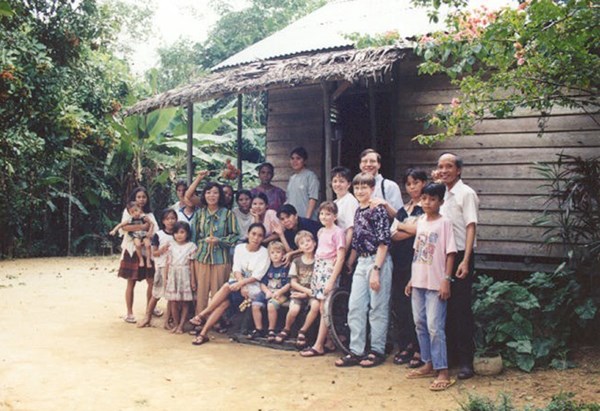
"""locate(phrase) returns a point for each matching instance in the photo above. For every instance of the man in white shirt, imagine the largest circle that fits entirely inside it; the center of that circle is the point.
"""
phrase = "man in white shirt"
(388, 190)
(461, 206)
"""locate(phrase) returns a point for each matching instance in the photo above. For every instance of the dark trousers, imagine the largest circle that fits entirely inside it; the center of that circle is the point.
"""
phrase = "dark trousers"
(460, 325)
(403, 325)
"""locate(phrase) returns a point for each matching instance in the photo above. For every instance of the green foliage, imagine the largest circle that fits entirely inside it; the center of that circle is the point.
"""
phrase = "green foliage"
(153, 147)
(537, 56)
(58, 88)
(378, 40)
(531, 323)
(560, 402)
(237, 30)
(573, 184)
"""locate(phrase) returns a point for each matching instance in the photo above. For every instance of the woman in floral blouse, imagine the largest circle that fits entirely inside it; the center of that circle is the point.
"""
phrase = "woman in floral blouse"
(214, 232)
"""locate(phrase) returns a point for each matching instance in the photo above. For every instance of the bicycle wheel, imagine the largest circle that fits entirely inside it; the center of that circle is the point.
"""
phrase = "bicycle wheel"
(336, 315)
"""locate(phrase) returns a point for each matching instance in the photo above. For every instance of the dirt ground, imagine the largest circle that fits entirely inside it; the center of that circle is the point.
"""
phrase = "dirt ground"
(63, 345)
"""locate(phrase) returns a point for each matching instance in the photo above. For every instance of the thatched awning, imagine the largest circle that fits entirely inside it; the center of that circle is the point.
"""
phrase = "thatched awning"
(350, 65)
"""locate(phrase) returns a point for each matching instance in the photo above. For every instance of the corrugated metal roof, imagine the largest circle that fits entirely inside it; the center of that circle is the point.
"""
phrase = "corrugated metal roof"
(325, 29)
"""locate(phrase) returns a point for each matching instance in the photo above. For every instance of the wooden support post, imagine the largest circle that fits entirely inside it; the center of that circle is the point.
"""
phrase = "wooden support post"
(239, 140)
(190, 142)
(372, 117)
(328, 138)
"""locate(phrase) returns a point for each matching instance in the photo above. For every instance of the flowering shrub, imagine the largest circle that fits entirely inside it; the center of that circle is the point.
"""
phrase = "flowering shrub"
(540, 54)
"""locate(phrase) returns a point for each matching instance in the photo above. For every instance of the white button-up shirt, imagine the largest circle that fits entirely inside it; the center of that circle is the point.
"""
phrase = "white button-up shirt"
(461, 206)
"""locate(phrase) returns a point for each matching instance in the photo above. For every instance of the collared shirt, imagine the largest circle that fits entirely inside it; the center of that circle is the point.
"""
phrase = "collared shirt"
(221, 224)
(371, 228)
(461, 206)
(391, 192)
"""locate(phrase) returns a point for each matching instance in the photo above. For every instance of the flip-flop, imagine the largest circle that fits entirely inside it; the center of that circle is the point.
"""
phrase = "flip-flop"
(413, 375)
(130, 320)
(311, 352)
(442, 385)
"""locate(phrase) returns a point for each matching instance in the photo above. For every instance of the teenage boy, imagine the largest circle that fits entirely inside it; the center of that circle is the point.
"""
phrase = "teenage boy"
(291, 224)
(430, 286)
(461, 206)
(371, 281)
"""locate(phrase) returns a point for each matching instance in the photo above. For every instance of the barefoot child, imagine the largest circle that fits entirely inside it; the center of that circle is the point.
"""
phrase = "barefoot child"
(274, 289)
(180, 278)
(433, 260)
(372, 278)
(301, 272)
(139, 237)
(161, 242)
(329, 260)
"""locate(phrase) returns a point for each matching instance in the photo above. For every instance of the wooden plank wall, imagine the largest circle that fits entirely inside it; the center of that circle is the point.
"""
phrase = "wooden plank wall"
(498, 160)
(295, 118)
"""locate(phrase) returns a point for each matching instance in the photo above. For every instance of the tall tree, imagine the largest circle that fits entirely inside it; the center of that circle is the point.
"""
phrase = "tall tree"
(59, 82)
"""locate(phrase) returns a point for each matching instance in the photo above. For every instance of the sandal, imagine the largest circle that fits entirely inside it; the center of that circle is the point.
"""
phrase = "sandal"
(441, 385)
(197, 320)
(402, 357)
(415, 361)
(200, 339)
(301, 340)
(157, 312)
(282, 336)
(271, 336)
(129, 319)
(374, 359)
(348, 360)
(311, 352)
(255, 334)
(419, 373)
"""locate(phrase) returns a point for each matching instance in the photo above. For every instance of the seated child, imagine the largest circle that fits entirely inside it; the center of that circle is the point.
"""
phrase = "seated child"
(372, 278)
(429, 285)
(139, 237)
(329, 260)
(301, 271)
(274, 290)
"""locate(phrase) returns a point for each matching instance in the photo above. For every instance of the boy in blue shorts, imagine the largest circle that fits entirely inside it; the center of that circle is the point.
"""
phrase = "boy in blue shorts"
(372, 278)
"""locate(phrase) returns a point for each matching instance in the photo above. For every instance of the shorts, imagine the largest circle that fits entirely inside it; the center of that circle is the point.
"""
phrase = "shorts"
(236, 298)
(158, 290)
(261, 300)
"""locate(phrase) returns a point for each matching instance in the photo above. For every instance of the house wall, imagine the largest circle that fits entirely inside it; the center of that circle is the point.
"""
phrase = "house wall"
(498, 160)
(498, 157)
(295, 118)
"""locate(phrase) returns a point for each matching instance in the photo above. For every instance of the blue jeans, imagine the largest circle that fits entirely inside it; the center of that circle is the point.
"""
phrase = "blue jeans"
(429, 313)
(365, 304)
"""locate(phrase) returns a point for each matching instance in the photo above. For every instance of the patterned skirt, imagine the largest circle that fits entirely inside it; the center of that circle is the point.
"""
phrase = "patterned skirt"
(321, 274)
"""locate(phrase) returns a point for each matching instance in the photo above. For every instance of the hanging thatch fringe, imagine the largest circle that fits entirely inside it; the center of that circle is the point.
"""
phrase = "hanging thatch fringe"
(371, 64)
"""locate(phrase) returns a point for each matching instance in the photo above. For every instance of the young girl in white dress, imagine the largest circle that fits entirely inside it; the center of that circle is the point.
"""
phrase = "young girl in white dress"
(181, 281)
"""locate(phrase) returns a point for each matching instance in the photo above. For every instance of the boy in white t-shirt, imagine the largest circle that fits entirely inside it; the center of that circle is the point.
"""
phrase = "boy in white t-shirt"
(429, 285)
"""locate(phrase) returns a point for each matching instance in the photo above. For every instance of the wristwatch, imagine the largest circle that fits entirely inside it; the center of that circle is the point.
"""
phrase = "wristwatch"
(376, 268)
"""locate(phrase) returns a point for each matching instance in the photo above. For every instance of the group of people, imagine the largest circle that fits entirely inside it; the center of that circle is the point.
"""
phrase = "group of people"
(279, 248)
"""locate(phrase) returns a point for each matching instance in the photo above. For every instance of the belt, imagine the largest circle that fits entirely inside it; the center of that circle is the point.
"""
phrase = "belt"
(365, 254)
